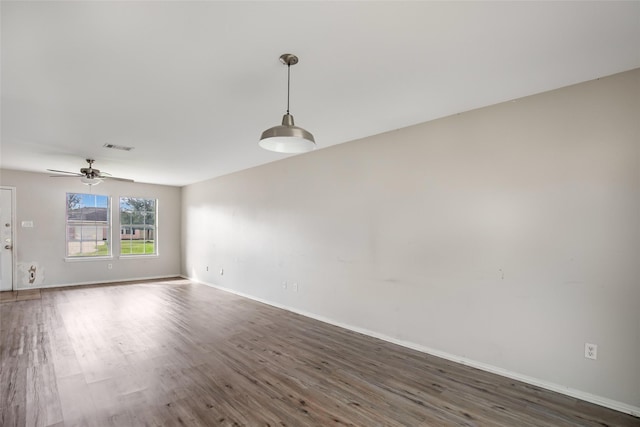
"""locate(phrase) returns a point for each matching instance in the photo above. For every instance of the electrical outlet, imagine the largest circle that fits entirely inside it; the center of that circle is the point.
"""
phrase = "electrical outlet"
(221, 271)
(284, 285)
(207, 268)
(109, 266)
(591, 351)
(295, 287)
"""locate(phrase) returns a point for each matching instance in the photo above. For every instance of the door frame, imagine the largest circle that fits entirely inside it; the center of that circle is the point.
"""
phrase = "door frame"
(14, 223)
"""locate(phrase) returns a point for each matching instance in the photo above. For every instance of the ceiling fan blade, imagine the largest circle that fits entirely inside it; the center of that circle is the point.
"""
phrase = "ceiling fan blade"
(116, 178)
(70, 173)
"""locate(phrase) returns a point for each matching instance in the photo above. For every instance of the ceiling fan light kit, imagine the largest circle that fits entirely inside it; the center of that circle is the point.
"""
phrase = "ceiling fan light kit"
(91, 175)
(90, 180)
(287, 138)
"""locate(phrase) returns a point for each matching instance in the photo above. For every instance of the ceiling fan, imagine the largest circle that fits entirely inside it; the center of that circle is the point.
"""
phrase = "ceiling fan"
(89, 176)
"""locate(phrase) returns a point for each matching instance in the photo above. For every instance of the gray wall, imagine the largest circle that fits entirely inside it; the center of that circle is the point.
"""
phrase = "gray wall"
(505, 237)
(42, 200)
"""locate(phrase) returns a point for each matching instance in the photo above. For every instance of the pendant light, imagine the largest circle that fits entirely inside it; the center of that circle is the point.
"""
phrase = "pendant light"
(287, 138)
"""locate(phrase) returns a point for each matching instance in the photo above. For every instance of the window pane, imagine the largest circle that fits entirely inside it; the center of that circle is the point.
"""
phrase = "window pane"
(150, 218)
(126, 218)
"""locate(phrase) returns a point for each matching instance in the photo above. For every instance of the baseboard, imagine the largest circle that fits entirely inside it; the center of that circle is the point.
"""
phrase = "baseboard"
(578, 394)
(102, 282)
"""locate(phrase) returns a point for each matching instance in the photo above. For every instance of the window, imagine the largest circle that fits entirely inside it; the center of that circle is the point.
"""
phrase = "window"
(138, 226)
(88, 225)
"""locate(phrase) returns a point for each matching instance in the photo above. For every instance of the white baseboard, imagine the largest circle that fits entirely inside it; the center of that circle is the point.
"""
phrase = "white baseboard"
(101, 282)
(578, 394)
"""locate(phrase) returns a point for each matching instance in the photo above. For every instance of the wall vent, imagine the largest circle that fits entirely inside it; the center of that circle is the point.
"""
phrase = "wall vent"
(117, 147)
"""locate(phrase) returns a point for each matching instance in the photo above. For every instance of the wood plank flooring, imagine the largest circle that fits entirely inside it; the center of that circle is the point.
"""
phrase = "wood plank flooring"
(175, 353)
(20, 295)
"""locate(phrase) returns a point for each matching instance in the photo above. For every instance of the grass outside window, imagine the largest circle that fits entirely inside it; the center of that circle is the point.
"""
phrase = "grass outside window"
(137, 247)
(127, 247)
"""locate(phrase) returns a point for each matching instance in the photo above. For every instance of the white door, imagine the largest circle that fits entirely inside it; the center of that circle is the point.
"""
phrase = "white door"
(6, 234)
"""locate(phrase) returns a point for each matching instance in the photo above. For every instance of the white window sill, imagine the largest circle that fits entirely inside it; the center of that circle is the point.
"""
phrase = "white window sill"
(138, 256)
(88, 258)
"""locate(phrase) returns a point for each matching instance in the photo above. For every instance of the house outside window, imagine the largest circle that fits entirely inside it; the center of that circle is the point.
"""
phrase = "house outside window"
(138, 218)
(88, 223)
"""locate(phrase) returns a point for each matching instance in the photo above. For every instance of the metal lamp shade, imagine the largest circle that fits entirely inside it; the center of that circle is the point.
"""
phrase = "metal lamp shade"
(287, 138)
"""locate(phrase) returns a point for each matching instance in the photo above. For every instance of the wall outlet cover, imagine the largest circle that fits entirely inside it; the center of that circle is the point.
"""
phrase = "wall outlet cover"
(591, 351)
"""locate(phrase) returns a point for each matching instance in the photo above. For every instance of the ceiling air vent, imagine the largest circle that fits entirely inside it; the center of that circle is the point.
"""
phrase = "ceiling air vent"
(117, 147)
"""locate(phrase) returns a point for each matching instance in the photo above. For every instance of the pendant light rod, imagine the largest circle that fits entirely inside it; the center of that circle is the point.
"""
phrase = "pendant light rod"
(288, 59)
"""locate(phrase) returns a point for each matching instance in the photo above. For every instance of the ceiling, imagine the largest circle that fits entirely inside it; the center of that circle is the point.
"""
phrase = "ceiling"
(191, 85)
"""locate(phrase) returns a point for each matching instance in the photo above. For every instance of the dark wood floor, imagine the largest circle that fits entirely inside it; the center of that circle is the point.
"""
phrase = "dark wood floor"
(175, 353)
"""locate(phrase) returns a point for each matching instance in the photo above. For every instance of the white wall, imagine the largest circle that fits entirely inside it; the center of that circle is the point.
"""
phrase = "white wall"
(507, 236)
(43, 200)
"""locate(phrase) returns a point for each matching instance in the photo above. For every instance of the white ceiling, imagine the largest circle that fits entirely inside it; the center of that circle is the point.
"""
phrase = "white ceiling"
(191, 85)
